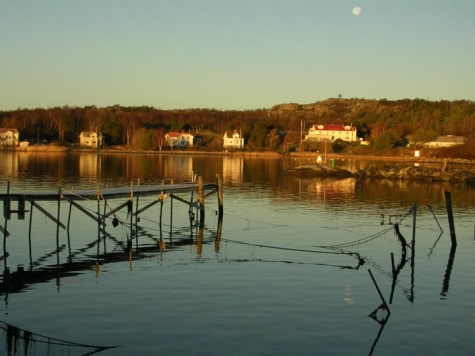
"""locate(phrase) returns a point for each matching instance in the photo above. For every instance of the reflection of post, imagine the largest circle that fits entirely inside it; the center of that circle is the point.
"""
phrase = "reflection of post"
(448, 204)
(201, 201)
(199, 242)
(450, 264)
(217, 242)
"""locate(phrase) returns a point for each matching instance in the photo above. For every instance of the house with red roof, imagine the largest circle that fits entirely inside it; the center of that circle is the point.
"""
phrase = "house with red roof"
(330, 132)
(179, 139)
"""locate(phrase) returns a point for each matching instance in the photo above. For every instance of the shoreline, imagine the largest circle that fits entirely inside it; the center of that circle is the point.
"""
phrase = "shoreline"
(314, 155)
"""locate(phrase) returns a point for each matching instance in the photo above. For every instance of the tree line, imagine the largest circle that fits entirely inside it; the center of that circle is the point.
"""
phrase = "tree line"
(385, 124)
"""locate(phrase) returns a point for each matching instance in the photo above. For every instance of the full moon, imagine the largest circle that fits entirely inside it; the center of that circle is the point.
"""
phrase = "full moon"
(356, 10)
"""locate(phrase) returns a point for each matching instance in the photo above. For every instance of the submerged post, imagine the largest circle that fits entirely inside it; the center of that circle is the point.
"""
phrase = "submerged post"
(201, 200)
(448, 205)
(220, 197)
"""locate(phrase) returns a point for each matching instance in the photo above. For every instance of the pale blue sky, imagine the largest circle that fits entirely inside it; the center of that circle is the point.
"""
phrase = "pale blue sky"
(233, 54)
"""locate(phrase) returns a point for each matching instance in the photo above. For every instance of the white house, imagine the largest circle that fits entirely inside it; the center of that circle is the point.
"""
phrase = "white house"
(232, 139)
(90, 139)
(446, 141)
(9, 137)
(179, 139)
(331, 133)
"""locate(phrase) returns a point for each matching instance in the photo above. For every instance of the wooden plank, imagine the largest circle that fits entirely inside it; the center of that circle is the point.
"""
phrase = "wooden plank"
(107, 193)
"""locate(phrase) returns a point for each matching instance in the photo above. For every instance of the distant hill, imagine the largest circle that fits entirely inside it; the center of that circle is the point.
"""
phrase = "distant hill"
(340, 109)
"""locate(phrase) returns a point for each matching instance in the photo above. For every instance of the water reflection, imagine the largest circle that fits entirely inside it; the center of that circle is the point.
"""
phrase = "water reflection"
(297, 220)
(448, 271)
(19, 341)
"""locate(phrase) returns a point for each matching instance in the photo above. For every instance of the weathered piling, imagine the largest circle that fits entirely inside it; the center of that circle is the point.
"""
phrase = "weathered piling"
(448, 205)
(201, 200)
(220, 196)
(6, 214)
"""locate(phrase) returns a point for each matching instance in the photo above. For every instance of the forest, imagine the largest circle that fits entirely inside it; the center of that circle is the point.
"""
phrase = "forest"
(385, 124)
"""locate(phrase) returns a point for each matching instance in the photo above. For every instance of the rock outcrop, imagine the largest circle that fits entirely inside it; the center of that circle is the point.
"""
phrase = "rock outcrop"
(388, 171)
(318, 170)
(449, 174)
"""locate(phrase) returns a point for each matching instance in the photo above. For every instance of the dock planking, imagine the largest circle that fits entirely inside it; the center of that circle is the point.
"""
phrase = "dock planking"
(107, 193)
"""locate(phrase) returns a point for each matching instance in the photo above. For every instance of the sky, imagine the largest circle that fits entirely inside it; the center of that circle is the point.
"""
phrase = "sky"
(233, 54)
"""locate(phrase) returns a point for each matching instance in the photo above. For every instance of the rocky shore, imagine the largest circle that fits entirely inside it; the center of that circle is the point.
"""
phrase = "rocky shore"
(387, 171)
(318, 170)
(446, 174)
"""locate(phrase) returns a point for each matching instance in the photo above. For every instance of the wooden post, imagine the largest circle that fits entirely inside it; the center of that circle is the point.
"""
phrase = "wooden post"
(6, 214)
(220, 197)
(57, 224)
(171, 216)
(21, 208)
(414, 216)
(161, 209)
(137, 219)
(29, 235)
(201, 201)
(448, 205)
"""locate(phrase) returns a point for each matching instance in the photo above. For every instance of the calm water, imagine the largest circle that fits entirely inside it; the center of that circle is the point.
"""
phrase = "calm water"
(285, 273)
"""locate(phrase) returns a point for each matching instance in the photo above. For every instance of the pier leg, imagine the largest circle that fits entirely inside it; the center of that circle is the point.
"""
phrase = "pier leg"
(137, 221)
(171, 216)
(220, 197)
(201, 201)
(161, 210)
(69, 216)
(413, 250)
(6, 213)
(57, 224)
(29, 236)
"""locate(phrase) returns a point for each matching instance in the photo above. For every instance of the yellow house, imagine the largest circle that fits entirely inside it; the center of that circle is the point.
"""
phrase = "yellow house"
(9, 137)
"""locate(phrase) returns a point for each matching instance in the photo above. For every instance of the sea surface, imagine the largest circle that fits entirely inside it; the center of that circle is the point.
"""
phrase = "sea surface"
(296, 266)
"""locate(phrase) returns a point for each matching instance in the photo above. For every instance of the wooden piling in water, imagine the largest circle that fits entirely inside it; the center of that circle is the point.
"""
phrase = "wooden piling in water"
(220, 197)
(448, 205)
(201, 201)
(6, 213)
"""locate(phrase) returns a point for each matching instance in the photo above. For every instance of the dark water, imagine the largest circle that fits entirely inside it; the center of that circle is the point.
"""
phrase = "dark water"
(287, 272)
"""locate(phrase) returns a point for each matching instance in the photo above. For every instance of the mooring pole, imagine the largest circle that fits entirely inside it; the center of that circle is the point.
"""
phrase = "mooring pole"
(414, 216)
(29, 235)
(69, 215)
(201, 201)
(6, 214)
(171, 215)
(448, 205)
(137, 220)
(57, 224)
(98, 217)
(220, 197)
(161, 209)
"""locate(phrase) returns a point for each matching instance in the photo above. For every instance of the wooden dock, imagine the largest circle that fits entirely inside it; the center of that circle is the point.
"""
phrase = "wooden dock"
(106, 197)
